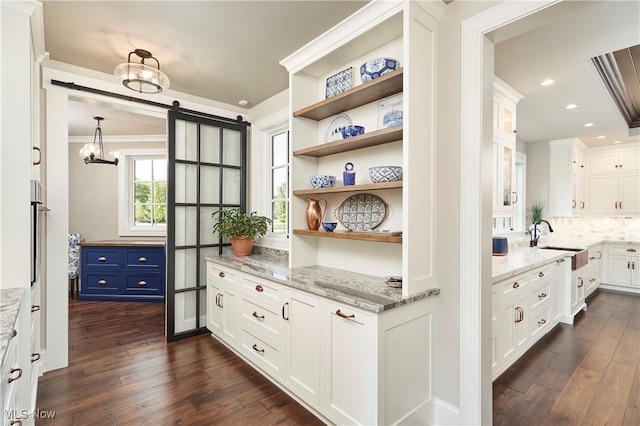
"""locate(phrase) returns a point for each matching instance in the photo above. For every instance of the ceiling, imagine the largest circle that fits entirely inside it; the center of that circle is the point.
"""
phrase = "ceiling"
(230, 50)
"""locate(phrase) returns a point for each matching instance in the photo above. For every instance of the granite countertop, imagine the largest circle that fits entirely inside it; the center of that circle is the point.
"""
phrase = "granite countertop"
(123, 243)
(10, 300)
(524, 259)
(363, 291)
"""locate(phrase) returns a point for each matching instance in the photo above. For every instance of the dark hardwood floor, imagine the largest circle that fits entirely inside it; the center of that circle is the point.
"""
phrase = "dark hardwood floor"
(585, 374)
(122, 372)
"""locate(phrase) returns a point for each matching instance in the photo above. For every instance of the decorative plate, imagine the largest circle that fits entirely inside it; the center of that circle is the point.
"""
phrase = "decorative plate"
(334, 129)
(340, 82)
(361, 212)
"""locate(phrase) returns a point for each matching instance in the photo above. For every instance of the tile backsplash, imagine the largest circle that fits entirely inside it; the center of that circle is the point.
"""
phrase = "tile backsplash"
(618, 228)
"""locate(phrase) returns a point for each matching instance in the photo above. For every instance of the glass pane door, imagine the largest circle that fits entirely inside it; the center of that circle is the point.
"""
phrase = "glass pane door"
(207, 172)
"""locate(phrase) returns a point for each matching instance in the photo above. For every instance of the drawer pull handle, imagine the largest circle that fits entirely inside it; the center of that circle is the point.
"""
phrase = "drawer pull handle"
(255, 315)
(255, 348)
(560, 260)
(542, 321)
(631, 250)
(142, 259)
(541, 274)
(592, 258)
(599, 254)
(283, 306)
(36, 149)
(516, 284)
(219, 300)
(16, 422)
(581, 282)
(35, 357)
(35, 308)
(542, 296)
(259, 288)
(221, 274)
(519, 314)
(142, 283)
(14, 333)
(592, 280)
(102, 259)
(340, 314)
(628, 264)
(15, 370)
(102, 282)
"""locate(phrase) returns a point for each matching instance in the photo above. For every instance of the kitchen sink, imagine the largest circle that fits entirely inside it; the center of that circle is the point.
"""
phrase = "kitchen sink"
(578, 260)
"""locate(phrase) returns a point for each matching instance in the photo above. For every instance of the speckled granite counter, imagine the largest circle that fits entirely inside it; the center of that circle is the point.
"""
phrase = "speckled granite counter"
(524, 259)
(364, 291)
(9, 304)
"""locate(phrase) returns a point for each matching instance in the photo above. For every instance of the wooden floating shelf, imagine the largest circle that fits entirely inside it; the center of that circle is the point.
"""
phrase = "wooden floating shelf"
(377, 137)
(349, 235)
(383, 86)
(351, 188)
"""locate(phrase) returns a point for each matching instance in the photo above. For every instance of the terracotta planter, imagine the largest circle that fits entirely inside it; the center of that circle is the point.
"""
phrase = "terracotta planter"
(242, 246)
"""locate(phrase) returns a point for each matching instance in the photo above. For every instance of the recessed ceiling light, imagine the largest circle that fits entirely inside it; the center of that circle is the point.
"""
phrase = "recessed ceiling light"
(617, 141)
(243, 103)
(601, 137)
(572, 106)
(547, 82)
(588, 125)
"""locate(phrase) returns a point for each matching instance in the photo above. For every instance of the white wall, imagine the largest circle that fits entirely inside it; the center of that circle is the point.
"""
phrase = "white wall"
(538, 174)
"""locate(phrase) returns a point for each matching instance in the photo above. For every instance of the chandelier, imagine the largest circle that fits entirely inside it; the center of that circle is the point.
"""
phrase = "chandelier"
(141, 77)
(94, 152)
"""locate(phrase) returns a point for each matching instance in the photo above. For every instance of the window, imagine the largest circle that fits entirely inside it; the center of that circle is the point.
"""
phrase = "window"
(142, 193)
(280, 182)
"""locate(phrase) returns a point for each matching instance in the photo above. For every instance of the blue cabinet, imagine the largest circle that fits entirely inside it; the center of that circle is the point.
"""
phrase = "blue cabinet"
(122, 273)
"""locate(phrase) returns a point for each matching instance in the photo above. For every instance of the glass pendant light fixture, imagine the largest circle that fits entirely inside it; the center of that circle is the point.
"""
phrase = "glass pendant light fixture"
(94, 152)
(141, 77)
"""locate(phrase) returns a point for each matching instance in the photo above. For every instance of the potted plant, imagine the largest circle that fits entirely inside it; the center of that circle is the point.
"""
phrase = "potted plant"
(241, 228)
(536, 212)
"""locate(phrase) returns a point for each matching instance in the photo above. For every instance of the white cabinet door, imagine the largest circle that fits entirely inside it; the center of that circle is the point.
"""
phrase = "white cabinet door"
(558, 290)
(635, 272)
(629, 188)
(223, 304)
(630, 161)
(513, 326)
(302, 314)
(349, 365)
(619, 270)
(603, 193)
(603, 162)
(214, 308)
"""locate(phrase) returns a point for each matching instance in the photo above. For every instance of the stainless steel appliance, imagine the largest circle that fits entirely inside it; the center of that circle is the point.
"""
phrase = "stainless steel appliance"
(36, 228)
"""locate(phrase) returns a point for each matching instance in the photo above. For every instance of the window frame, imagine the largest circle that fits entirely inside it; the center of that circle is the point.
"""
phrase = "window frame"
(126, 227)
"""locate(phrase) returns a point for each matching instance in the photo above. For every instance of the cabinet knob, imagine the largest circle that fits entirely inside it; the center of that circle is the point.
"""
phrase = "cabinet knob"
(221, 274)
(541, 274)
(516, 284)
(102, 259)
(35, 308)
(560, 260)
(102, 282)
(14, 333)
(542, 296)
(35, 357)
(259, 288)
(142, 259)
(15, 370)
(591, 280)
(542, 321)
(142, 283)
(340, 314)
(255, 315)
(255, 348)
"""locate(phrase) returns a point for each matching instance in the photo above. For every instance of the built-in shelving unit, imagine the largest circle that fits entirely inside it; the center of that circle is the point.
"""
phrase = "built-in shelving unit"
(351, 188)
(374, 138)
(385, 85)
(349, 235)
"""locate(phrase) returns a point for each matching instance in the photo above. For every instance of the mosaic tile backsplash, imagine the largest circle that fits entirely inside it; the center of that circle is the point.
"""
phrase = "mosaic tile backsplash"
(618, 228)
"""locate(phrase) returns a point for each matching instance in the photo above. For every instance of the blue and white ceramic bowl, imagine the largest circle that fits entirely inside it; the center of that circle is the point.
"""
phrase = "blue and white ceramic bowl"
(322, 181)
(329, 226)
(376, 67)
(385, 174)
(351, 131)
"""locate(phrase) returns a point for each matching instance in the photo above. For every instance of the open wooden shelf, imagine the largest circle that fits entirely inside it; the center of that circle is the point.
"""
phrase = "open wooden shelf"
(374, 90)
(377, 137)
(349, 235)
(351, 188)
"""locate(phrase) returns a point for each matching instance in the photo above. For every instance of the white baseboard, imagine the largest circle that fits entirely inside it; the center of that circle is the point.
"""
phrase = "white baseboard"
(634, 290)
(445, 413)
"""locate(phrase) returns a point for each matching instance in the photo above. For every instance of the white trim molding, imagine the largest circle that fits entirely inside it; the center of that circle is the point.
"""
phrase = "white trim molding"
(475, 369)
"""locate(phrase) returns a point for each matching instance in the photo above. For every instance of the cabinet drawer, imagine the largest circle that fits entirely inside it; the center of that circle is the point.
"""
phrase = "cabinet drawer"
(142, 258)
(624, 249)
(101, 282)
(144, 284)
(102, 257)
(266, 321)
(263, 291)
(541, 275)
(511, 286)
(216, 273)
(268, 357)
(540, 322)
(540, 295)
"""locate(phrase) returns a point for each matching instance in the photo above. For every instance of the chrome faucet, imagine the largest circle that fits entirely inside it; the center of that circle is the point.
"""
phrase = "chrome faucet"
(535, 233)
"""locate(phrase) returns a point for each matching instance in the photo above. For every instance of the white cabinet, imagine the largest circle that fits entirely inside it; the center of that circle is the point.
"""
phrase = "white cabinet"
(505, 196)
(614, 180)
(223, 303)
(349, 359)
(576, 295)
(591, 274)
(623, 268)
(567, 174)
(302, 315)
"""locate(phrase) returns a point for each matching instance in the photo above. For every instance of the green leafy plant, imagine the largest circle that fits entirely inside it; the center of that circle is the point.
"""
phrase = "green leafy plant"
(234, 223)
(536, 212)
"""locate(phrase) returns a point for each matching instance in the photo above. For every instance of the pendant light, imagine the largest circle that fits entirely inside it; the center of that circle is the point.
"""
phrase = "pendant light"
(142, 77)
(94, 152)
